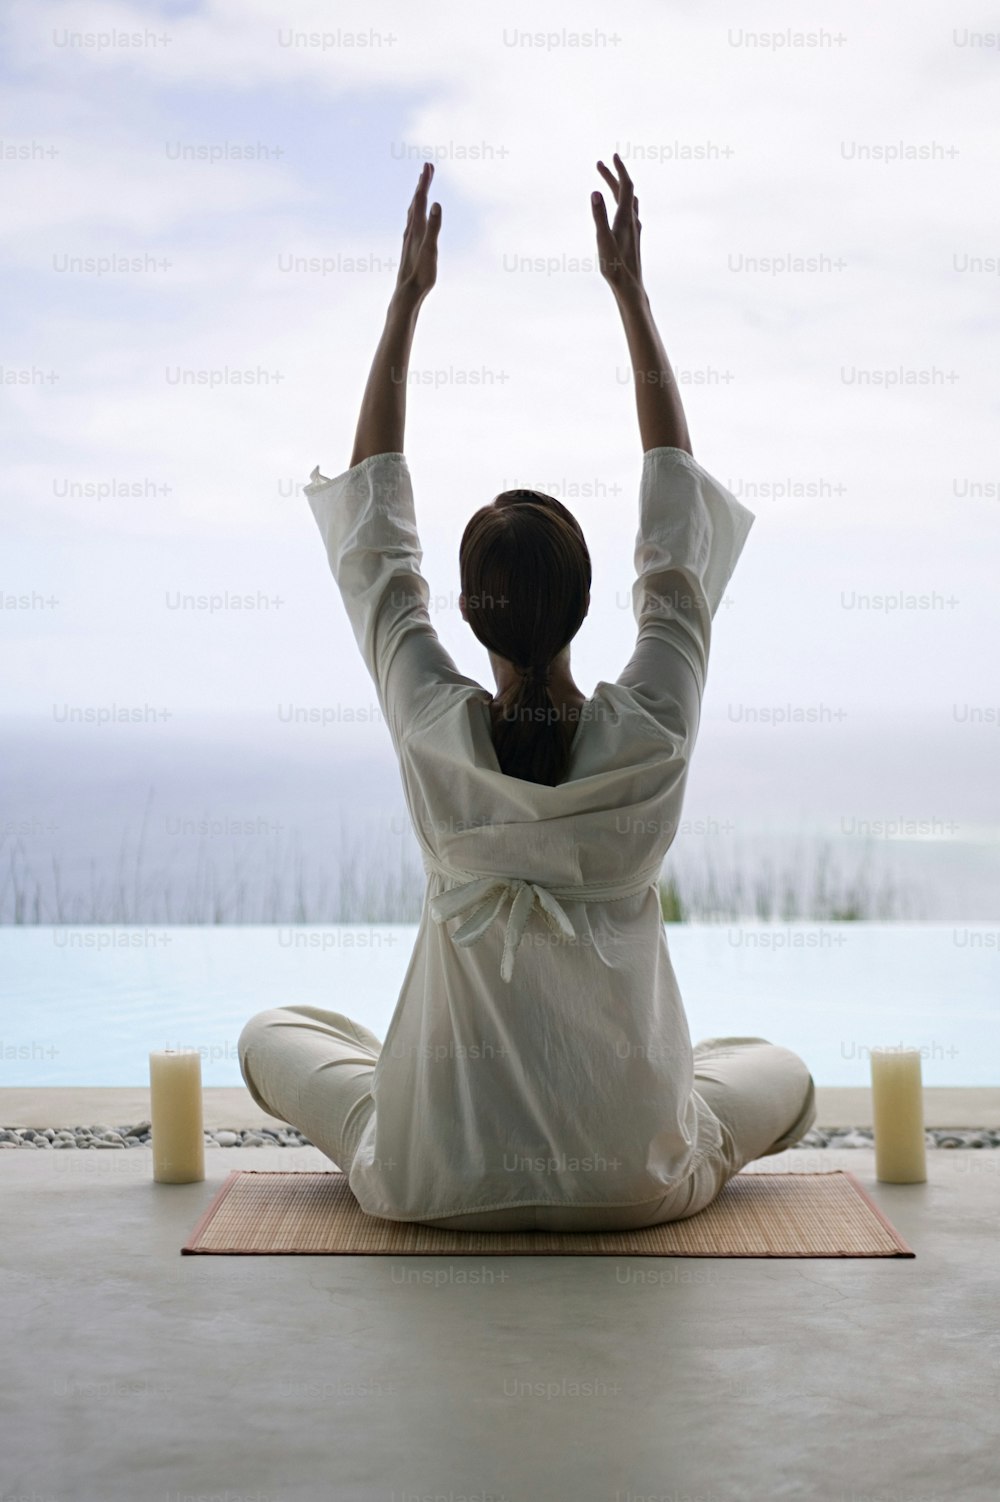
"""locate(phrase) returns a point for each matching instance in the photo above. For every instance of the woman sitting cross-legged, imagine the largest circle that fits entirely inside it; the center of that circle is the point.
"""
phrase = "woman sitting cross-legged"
(537, 1072)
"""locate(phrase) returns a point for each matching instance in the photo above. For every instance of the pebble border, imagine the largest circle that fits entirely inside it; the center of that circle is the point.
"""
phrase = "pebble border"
(140, 1135)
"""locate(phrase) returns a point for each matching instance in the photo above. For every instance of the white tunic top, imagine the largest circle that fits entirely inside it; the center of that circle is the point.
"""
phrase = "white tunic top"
(539, 1052)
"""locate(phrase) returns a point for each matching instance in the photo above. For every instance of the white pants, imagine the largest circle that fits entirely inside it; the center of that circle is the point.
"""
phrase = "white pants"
(313, 1069)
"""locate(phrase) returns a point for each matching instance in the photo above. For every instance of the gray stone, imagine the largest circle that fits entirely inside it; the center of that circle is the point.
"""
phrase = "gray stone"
(103, 1142)
(964, 1138)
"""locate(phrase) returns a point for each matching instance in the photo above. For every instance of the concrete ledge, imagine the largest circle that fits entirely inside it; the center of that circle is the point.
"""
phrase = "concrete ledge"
(944, 1106)
(69, 1106)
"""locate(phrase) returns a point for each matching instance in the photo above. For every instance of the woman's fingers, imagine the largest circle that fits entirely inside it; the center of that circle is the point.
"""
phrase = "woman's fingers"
(623, 175)
(618, 243)
(622, 187)
(420, 196)
(418, 258)
(609, 178)
(600, 212)
(418, 203)
(608, 253)
(421, 187)
(627, 197)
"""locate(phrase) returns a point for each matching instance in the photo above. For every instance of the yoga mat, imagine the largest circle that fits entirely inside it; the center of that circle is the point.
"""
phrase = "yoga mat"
(756, 1215)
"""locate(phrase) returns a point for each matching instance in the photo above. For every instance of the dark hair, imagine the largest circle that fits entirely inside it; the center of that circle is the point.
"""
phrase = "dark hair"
(525, 573)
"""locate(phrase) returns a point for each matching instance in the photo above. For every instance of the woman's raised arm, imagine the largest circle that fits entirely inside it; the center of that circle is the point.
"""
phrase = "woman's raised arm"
(382, 423)
(662, 423)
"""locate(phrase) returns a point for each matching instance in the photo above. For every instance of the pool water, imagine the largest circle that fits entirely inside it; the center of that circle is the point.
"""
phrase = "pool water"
(84, 1006)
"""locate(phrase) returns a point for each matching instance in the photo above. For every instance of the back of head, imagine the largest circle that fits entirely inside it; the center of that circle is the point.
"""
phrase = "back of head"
(525, 573)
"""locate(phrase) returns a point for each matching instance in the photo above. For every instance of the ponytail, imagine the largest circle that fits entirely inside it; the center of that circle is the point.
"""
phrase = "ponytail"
(532, 737)
(526, 578)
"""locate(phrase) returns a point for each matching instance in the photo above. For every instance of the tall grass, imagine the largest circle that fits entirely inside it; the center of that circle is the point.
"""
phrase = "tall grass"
(809, 887)
(368, 880)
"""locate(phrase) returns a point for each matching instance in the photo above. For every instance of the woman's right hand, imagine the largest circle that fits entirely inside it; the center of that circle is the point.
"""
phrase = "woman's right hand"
(618, 244)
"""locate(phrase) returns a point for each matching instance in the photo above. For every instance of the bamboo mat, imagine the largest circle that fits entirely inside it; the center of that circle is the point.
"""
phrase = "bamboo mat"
(756, 1215)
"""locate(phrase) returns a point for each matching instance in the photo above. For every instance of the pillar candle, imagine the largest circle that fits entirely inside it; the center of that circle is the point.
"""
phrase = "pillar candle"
(898, 1116)
(176, 1117)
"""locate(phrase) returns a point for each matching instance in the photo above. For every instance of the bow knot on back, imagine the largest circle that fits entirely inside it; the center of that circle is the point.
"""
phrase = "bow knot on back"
(484, 898)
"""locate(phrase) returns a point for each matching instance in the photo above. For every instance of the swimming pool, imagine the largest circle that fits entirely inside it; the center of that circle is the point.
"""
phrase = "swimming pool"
(84, 1006)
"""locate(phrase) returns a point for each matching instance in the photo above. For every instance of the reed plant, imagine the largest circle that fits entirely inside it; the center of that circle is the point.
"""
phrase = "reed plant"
(366, 879)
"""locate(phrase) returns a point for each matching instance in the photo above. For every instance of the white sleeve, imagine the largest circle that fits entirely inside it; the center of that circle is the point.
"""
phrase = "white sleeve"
(691, 534)
(367, 522)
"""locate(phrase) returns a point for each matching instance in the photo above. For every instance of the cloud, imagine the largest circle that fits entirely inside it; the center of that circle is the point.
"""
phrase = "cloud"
(745, 157)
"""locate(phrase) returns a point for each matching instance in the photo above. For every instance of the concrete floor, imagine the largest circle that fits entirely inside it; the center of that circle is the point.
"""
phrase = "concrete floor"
(232, 1106)
(134, 1373)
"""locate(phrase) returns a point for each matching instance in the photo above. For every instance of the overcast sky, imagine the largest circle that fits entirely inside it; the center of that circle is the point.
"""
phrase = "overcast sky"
(223, 149)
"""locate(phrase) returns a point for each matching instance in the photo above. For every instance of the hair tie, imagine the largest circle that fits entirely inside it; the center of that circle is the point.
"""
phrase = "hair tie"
(537, 672)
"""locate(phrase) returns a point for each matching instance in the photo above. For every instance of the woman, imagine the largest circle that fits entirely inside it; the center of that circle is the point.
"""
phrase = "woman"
(560, 1093)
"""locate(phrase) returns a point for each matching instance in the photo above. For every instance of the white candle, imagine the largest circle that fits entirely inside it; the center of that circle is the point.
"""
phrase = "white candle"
(176, 1117)
(898, 1116)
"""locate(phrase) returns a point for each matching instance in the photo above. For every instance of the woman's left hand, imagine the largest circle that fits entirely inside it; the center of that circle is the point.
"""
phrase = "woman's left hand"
(418, 259)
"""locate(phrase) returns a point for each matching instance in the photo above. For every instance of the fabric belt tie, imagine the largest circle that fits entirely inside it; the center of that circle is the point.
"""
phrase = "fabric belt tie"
(483, 897)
